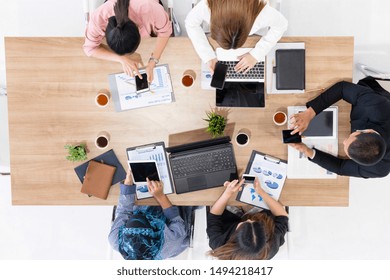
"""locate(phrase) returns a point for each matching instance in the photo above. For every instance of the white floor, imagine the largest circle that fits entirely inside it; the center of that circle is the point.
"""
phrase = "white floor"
(355, 232)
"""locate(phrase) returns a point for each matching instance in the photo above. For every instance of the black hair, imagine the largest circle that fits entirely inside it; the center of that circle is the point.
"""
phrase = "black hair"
(122, 34)
(251, 237)
(368, 148)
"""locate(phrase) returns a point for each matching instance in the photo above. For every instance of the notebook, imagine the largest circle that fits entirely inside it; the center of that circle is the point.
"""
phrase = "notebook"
(109, 158)
(290, 69)
(97, 179)
(230, 57)
(202, 165)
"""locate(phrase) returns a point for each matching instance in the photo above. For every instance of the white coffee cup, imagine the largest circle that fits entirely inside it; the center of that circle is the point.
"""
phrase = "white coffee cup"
(279, 118)
(242, 137)
(102, 140)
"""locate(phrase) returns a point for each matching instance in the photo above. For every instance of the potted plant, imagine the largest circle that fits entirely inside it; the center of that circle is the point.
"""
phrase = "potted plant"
(76, 152)
(217, 124)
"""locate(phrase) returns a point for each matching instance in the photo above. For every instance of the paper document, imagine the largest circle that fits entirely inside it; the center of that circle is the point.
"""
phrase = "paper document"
(271, 173)
(299, 167)
(155, 152)
(124, 90)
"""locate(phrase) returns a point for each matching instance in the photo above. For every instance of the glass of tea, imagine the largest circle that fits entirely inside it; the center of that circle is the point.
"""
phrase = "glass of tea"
(102, 140)
(280, 118)
(188, 78)
(102, 98)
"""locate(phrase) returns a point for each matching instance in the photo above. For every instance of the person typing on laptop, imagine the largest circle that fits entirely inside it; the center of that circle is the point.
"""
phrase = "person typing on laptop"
(368, 146)
(231, 22)
(256, 235)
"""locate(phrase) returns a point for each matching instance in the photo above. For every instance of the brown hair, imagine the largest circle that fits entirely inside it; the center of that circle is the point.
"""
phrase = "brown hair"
(250, 241)
(232, 20)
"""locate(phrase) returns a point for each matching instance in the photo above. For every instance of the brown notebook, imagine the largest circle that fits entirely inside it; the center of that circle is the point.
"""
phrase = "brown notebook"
(97, 179)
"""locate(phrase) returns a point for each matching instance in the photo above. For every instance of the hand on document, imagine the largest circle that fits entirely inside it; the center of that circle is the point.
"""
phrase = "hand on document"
(130, 66)
(299, 122)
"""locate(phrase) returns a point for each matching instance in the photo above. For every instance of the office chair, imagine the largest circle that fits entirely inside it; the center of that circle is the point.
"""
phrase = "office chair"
(369, 71)
(89, 6)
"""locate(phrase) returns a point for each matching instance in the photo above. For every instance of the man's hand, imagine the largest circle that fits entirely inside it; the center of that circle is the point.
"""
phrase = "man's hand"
(130, 67)
(308, 152)
(299, 122)
(246, 63)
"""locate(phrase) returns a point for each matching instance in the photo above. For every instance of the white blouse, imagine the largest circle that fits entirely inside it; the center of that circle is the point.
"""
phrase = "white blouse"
(269, 23)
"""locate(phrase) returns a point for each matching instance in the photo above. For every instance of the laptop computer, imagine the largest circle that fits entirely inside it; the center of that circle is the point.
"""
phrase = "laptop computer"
(230, 57)
(202, 165)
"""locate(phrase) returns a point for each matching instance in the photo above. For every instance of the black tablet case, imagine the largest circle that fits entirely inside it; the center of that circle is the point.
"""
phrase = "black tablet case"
(109, 158)
(290, 69)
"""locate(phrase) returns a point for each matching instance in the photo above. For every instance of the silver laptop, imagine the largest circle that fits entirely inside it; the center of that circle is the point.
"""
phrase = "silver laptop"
(230, 57)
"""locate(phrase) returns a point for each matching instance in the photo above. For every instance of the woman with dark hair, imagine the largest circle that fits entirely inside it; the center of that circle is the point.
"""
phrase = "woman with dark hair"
(149, 232)
(123, 23)
(231, 22)
(256, 235)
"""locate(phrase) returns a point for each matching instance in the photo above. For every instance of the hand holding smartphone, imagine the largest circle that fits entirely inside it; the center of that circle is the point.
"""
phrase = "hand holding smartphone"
(218, 80)
(248, 179)
(288, 138)
(142, 85)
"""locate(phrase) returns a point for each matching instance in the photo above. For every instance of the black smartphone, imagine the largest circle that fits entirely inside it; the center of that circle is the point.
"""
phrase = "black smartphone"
(288, 138)
(218, 79)
(248, 179)
(141, 85)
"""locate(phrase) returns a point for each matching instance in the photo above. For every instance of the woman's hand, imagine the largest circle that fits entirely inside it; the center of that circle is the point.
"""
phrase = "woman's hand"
(258, 187)
(149, 70)
(130, 67)
(232, 187)
(211, 65)
(155, 188)
(246, 63)
(129, 179)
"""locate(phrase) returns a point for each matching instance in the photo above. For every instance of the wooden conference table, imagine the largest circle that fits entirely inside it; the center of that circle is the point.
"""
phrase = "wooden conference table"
(51, 88)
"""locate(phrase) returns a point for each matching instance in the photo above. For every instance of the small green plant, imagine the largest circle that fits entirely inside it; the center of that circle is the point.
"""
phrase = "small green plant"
(76, 152)
(217, 124)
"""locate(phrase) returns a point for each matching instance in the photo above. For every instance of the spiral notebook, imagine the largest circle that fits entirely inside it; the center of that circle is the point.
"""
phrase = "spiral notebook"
(271, 173)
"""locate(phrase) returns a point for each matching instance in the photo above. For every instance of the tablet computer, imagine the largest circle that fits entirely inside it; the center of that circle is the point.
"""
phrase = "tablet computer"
(142, 169)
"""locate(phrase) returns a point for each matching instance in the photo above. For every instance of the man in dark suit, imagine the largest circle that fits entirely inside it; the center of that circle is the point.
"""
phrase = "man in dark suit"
(368, 146)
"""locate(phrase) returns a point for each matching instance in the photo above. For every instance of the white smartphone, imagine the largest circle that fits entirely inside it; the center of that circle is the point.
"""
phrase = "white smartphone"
(142, 169)
(249, 179)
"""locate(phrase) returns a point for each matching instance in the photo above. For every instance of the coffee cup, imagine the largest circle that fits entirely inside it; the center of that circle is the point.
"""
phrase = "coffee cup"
(188, 78)
(102, 98)
(280, 118)
(242, 137)
(102, 140)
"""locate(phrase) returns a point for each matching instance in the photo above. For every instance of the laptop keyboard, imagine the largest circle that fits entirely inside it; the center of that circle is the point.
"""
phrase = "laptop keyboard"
(256, 73)
(207, 162)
